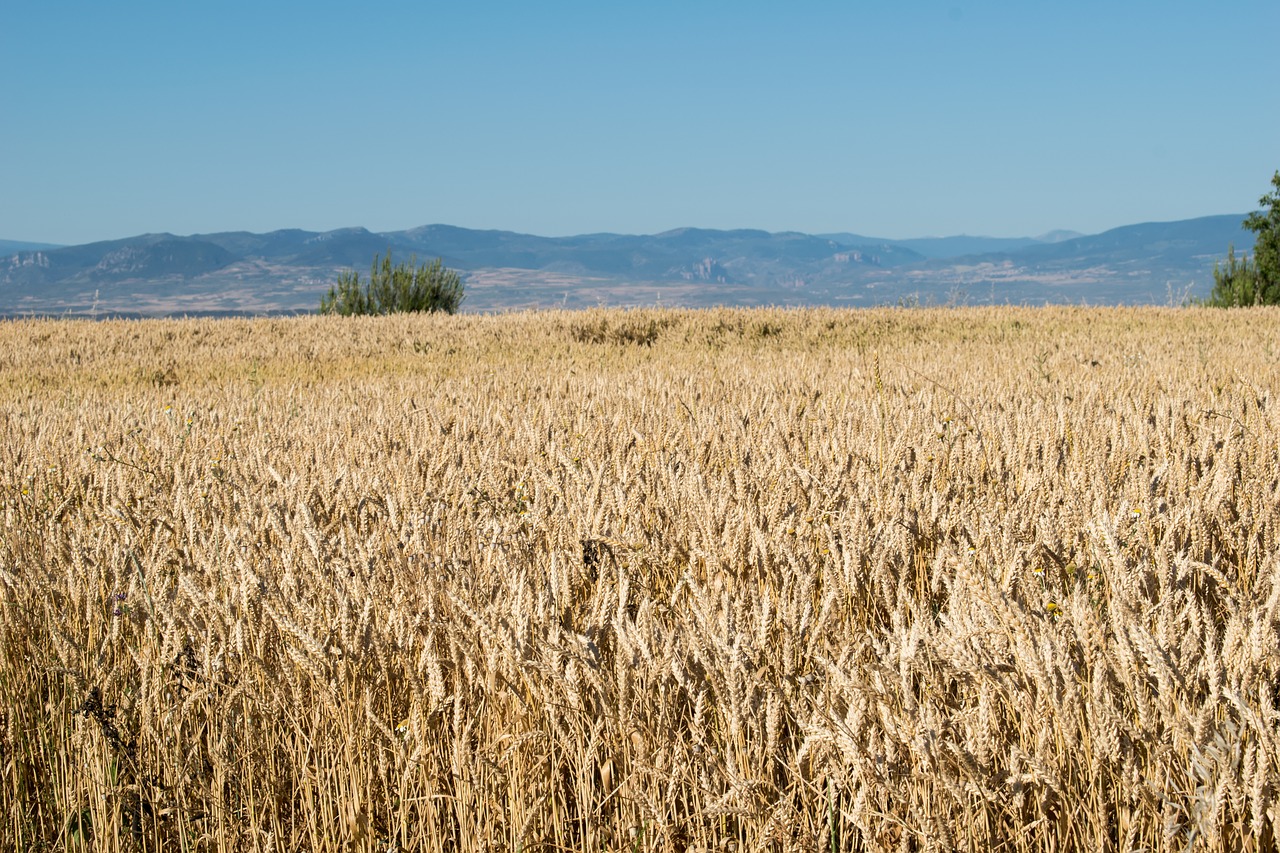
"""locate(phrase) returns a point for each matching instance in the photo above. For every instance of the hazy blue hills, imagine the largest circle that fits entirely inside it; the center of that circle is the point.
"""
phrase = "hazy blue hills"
(344, 247)
(286, 271)
(945, 247)
(1172, 241)
(145, 256)
(672, 254)
(1148, 262)
(10, 246)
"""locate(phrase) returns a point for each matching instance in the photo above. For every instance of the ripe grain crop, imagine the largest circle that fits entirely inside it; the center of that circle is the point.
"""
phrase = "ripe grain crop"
(981, 579)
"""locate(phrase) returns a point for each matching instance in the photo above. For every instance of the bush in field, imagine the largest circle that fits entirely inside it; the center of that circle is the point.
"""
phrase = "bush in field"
(404, 288)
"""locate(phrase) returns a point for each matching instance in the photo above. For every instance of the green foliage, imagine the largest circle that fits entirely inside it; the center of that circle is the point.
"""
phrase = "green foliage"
(391, 290)
(1238, 283)
(1256, 280)
(1266, 224)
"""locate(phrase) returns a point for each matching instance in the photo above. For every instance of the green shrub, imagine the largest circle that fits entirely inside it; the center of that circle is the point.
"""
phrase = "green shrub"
(391, 290)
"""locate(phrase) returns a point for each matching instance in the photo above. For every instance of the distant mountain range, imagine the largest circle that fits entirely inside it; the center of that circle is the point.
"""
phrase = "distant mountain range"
(951, 247)
(287, 271)
(8, 247)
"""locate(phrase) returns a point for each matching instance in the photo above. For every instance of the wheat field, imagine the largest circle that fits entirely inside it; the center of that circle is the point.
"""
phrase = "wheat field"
(979, 579)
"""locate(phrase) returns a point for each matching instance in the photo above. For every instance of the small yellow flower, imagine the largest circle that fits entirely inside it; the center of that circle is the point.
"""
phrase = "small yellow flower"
(1053, 609)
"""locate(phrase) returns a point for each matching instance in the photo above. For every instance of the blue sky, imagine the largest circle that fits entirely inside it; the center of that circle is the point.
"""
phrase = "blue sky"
(891, 119)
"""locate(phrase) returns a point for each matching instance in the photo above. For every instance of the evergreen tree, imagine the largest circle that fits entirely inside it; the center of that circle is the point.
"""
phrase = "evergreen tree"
(1256, 280)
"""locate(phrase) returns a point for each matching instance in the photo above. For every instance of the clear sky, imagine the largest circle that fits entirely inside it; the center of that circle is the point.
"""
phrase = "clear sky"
(891, 119)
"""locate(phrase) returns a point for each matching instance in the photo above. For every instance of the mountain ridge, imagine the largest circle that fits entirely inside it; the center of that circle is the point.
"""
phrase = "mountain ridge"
(286, 270)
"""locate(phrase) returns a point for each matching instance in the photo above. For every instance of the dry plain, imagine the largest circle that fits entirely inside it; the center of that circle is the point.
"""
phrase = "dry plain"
(973, 579)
